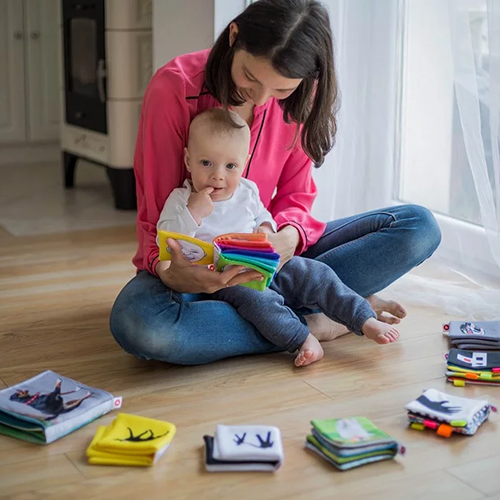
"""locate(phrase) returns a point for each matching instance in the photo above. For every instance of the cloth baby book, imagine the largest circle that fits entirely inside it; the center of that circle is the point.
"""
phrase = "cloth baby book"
(49, 406)
(243, 448)
(480, 335)
(473, 367)
(351, 442)
(446, 414)
(131, 440)
(251, 250)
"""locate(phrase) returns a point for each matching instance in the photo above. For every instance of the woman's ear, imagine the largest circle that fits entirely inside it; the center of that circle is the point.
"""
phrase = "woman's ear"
(186, 159)
(233, 33)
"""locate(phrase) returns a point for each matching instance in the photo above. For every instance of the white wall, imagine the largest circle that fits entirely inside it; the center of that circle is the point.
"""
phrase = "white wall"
(225, 12)
(181, 26)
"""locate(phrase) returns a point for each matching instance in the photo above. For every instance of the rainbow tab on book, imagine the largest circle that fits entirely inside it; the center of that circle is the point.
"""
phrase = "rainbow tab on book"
(252, 251)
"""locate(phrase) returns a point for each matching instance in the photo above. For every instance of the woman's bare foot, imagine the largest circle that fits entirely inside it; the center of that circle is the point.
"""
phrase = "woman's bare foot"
(323, 328)
(309, 352)
(381, 333)
(388, 311)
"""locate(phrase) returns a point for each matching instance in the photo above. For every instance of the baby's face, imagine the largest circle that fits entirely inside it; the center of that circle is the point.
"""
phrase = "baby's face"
(217, 161)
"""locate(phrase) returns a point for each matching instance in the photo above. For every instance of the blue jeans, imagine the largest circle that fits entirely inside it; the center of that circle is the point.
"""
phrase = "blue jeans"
(301, 283)
(368, 252)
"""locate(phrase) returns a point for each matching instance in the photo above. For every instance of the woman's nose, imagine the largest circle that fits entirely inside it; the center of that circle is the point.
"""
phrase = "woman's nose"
(260, 97)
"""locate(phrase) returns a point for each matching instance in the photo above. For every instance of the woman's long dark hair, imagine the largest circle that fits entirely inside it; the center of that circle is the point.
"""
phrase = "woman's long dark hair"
(295, 36)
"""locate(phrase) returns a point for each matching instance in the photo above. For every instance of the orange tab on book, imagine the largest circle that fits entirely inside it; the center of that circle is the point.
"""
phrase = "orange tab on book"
(242, 236)
(445, 430)
(245, 240)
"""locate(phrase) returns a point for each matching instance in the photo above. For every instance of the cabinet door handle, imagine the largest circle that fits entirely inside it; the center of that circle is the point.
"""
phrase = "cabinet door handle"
(18, 35)
(35, 35)
(101, 75)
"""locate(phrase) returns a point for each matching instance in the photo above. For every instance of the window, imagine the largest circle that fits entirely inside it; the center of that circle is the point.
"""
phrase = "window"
(432, 164)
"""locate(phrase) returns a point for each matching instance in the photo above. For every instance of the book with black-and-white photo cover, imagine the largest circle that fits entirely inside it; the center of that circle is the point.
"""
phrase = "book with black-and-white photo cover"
(50, 406)
(473, 335)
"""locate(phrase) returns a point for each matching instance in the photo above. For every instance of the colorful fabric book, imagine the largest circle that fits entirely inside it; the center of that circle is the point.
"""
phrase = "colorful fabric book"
(473, 367)
(446, 414)
(131, 440)
(351, 442)
(251, 250)
(243, 448)
(480, 335)
(49, 406)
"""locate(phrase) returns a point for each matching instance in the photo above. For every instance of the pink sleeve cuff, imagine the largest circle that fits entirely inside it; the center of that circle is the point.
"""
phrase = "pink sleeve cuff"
(152, 265)
(302, 245)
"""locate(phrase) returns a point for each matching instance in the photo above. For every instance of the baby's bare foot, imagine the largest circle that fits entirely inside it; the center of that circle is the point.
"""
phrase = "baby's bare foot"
(381, 333)
(388, 311)
(309, 352)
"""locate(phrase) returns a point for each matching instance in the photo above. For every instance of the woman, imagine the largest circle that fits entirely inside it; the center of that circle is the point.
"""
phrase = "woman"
(273, 65)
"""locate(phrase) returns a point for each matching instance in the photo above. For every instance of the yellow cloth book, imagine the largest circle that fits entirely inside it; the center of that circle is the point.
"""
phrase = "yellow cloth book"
(131, 440)
(98, 457)
(195, 250)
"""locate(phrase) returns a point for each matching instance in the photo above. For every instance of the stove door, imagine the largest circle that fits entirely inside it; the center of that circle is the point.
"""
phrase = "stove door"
(85, 63)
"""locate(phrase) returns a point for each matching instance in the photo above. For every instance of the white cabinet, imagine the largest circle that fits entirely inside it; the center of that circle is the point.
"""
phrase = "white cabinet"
(12, 97)
(42, 61)
(29, 66)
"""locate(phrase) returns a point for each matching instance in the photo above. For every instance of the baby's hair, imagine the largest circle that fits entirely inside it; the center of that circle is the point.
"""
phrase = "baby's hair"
(221, 122)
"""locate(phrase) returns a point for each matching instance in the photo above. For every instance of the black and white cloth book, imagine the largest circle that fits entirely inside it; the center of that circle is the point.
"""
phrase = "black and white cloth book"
(244, 448)
(446, 407)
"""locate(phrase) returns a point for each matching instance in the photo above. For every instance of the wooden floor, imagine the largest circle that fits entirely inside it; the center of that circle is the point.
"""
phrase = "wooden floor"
(55, 296)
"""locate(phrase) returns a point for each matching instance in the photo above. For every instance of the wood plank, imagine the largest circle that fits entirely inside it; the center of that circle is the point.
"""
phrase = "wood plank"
(39, 473)
(153, 484)
(5, 236)
(480, 474)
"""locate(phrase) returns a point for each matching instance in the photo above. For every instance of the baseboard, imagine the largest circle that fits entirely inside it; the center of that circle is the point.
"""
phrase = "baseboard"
(30, 153)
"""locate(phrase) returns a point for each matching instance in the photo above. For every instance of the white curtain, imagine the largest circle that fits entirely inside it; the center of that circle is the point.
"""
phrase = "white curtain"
(357, 175)
(360, 173)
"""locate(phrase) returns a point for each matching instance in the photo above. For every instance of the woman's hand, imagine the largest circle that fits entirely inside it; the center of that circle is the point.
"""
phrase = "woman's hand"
(285, 241)
(184, 277)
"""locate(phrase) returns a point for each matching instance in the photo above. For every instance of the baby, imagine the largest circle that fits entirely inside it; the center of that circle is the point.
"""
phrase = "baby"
(217, 200)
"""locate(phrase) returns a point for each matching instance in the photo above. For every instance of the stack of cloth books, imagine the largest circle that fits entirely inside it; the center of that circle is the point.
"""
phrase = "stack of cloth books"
(446, 414)
(351, 442)
(480, 335)
(131, 440)
(237, 448)
(473, 367)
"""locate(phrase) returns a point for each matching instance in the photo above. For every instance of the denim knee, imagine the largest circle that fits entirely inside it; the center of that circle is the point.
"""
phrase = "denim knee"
(140, 334)
(423, 234)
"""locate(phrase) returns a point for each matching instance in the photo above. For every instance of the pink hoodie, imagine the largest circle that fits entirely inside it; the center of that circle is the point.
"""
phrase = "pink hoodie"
(173, 98)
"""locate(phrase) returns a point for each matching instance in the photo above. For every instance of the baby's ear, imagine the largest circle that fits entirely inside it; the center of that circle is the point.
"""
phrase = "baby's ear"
(186, 159)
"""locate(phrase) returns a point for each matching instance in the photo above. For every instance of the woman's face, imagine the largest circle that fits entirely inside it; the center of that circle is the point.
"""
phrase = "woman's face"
(256, 79)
